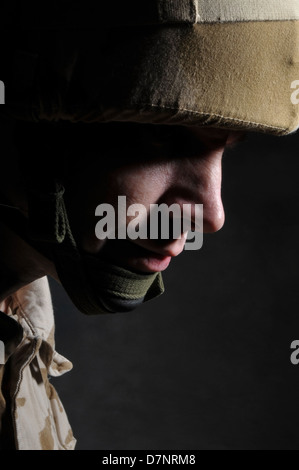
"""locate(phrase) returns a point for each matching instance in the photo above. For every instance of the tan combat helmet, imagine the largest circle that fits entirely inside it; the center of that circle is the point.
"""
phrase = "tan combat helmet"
(220, 63)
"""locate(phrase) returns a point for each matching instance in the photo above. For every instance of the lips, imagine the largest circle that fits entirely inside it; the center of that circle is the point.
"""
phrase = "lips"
(150, 264)
(131, 255)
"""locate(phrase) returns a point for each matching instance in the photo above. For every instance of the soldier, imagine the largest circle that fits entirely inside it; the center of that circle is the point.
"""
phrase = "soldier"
(119, 100)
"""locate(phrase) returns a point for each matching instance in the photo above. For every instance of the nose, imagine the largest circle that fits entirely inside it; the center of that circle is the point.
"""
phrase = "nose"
(198, 181)
(210, 195)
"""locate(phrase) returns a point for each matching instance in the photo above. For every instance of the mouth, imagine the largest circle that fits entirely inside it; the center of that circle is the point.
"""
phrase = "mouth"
(132, 256)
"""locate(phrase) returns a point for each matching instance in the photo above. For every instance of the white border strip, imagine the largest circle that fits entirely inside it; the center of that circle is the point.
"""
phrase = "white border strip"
(211, 11)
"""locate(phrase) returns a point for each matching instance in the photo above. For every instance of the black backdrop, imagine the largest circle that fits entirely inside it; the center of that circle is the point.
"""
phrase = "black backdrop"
(207, 365)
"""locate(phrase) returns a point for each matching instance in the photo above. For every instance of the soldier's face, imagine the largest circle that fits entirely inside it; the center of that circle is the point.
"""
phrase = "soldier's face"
(152, 165)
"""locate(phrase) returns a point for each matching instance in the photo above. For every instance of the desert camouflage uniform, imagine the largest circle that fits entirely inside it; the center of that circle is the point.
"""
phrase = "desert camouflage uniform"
(31, 414)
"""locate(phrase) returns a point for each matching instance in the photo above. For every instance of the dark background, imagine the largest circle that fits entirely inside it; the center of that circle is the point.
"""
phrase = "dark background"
(207, 365)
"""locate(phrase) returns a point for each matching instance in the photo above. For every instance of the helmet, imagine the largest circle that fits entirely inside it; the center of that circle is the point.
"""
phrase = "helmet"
(221, 63)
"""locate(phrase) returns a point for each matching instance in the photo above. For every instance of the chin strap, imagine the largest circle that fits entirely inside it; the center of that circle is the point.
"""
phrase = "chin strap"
(48, 221)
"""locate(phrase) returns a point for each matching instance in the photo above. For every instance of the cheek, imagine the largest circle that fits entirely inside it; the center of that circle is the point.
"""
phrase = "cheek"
(143, 185)
(140, 185)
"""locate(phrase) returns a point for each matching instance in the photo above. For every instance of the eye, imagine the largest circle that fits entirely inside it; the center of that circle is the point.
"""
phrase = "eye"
(171, 141)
